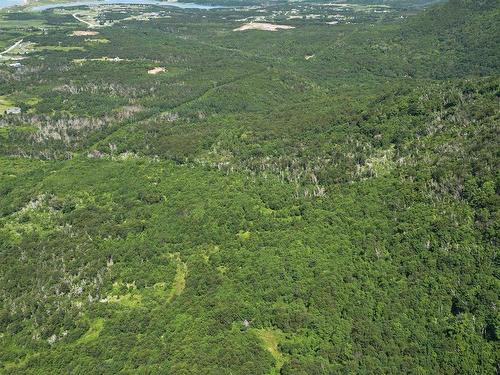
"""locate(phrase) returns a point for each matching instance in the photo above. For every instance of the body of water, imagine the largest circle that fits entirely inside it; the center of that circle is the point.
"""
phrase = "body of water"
(9, 3)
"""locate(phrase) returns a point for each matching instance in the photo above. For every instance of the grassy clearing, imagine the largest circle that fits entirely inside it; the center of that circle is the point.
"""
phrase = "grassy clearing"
(127, 300)
(179, 281)
(381, 163)
(19, 363)
(132, 298)
(96, 326)
(270, 339)
(104, 59)
(60, 48)
(98, 41)
(5, 104)
(20, 24)
(244, 235)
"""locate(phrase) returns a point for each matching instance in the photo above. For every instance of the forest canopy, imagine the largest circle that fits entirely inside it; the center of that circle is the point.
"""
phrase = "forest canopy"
(182, 196)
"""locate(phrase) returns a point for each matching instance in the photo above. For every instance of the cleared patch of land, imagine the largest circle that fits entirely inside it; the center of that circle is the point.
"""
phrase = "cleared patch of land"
(11, 47)
(99, 40)
(104, 58)
(180, 279)
(60, 48)
(5, 104)
(84, 33)
(95, 329)
(89, 24)
(156, 70)
(270, 339)
(15, 51)
(263, 26)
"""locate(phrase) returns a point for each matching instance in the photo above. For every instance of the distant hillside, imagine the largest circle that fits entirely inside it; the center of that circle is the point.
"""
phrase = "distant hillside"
(450, 40)
(464, 36)
(396, 2)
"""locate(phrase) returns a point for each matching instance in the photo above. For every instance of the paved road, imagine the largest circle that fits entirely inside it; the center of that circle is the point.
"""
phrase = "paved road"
(82, 20)
(11, 47)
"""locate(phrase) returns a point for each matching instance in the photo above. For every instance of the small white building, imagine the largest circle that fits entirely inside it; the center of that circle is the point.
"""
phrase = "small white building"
(13, 111)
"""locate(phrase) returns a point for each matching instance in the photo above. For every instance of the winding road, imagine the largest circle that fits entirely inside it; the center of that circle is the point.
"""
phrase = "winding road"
(75, 16)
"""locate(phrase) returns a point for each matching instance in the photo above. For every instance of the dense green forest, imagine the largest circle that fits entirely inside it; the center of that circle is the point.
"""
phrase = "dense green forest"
(180, 197)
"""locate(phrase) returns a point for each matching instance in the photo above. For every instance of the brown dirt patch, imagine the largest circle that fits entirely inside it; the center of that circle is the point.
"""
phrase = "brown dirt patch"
(156, 70)
(84, 33)
(263, 26)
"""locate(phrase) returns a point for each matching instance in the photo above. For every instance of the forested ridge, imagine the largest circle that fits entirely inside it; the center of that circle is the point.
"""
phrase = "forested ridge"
(315, 200)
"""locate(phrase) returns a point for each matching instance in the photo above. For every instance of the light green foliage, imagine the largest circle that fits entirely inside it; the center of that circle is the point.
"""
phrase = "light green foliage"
(60, 48)
(95, 328)
(270, 339)
(179, 282)
(5, 104)
(244, 235)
